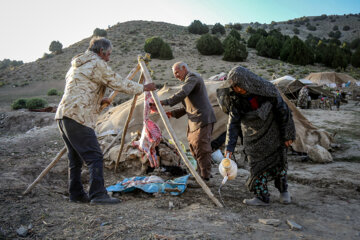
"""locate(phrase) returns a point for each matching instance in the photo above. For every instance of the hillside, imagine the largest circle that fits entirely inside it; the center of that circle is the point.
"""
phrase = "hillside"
(325, 196)
(36, 78)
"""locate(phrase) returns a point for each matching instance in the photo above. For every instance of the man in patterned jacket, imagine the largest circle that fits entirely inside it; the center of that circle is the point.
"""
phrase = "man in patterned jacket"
(86, 82)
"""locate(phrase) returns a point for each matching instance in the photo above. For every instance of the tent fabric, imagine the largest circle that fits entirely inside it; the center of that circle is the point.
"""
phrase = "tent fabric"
(306, 81)
(114, 119)
(330, 78)
(291, 88)
(307, 135)
(286, 77)
(288, 86)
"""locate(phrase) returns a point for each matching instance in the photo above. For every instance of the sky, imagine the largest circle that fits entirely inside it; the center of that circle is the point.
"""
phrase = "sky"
(29, 26)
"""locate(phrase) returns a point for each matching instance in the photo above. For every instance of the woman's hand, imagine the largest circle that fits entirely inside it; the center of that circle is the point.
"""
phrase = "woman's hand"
(288, 143)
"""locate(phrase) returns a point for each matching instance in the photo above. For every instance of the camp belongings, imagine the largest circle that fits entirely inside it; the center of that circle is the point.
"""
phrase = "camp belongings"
(151, 184)
(227, 169)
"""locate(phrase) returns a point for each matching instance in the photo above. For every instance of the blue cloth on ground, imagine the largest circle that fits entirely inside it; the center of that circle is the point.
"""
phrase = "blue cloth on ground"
(152, 184)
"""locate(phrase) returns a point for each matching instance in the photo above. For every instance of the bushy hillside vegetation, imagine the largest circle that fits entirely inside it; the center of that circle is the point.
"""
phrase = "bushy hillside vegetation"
(268, 58)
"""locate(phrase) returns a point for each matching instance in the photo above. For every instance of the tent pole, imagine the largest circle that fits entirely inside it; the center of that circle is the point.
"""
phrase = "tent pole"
(173, 136)
(132, 107)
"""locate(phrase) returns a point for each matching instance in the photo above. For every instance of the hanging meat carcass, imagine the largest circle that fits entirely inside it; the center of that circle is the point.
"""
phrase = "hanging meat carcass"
(150, 135)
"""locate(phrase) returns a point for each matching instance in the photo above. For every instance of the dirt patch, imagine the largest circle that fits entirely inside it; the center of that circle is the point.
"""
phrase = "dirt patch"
(325, 196)
(22, 121)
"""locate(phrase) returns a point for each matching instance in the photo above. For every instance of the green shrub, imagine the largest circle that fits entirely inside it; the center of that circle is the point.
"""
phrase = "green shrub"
(311, 28)
(165, 52)
(99, 32)
(250, 30)
(19, 103)
(335, 28)
(355, 59)
(296, 31)
(346, 28)
(153, 46)
(332, 55)
(355, 43)
(336, 34)
(218, 28)
(318, 18)
(8, 63)
(340, 60)
(52, 92)
(237, 26)
(262, 32)
(234, 50)
(235, 34)
(209, 45)
(47, 56)
(55, 47)
(297, 52)
(34, 103)
(269, 46)
(197, 27)
(253, 40)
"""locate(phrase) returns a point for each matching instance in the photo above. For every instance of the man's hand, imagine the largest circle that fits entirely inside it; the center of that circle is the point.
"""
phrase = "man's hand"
(150, 87)
(169, 114)
(105, 101)
(227, 152)
(288, 143)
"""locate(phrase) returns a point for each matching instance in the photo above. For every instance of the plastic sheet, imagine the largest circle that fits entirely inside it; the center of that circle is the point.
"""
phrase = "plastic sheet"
(152, 184)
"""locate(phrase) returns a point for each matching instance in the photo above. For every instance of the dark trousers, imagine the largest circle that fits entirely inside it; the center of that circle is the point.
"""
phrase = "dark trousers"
(219, 141)
(200, 147)
(82, 146)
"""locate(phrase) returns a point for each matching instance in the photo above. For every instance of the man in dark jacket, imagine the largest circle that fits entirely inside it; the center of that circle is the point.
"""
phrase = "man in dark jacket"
(259, 115)
(193, 96)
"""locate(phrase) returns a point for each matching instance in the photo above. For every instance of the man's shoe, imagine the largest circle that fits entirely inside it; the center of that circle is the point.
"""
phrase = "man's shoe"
(81, 199)
(255, 202)
(285, 197)
(104, 199)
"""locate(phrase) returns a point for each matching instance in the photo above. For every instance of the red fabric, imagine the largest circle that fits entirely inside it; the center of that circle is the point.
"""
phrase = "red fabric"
(254, 103)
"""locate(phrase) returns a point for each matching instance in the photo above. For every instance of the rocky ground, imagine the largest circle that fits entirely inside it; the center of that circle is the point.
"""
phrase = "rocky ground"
(326, 198)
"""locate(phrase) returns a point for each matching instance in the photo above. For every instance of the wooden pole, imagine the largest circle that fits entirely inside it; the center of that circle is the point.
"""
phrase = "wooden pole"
(174, 138)
(130, 76)
(46, 170)
(132, 107)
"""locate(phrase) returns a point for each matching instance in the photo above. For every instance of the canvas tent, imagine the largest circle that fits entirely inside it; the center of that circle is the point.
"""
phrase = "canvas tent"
(331, 79)
(291, 88)
(307, 135)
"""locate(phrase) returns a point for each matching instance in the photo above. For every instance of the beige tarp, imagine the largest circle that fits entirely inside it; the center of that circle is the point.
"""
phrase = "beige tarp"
(327, 78)
(114, 119)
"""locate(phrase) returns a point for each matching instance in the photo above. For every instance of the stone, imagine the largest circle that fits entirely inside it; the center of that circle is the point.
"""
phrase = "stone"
(22, 231)
(319, 154)
(294, 225)
(171, 205)
(273, 222)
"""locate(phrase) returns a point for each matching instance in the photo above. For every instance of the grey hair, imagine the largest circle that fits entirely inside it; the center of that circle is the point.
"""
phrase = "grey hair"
(180, 65)
(98, 43)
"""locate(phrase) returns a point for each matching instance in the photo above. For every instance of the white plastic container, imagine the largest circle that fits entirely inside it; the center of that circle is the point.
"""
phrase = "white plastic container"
(217, 156)
(227, 169)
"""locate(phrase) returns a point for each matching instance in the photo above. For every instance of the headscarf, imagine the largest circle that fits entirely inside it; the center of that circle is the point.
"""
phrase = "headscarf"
(252, 83)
